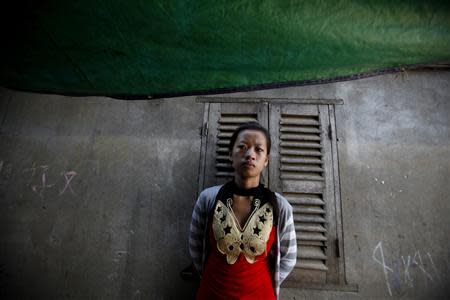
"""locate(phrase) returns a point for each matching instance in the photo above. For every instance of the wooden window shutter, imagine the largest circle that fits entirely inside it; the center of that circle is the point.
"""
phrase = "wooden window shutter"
(301, 169)
(220, 120)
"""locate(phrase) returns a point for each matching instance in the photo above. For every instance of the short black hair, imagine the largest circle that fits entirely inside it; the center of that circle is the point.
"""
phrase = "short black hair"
(250, 126)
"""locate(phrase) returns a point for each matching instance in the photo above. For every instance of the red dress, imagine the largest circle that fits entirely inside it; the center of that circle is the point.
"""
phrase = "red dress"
(241, 280)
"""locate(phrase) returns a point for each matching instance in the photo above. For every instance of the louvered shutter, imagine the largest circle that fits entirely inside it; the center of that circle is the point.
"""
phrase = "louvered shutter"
(221, 119)
(301, 169)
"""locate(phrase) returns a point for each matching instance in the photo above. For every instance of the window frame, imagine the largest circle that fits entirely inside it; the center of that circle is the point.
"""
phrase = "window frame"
(338, 282)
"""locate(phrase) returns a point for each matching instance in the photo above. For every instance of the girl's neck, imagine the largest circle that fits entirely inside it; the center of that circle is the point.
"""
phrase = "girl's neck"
(246, 183)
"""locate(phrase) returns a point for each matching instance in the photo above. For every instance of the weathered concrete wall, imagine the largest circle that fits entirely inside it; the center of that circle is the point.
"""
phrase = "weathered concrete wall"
(119, 229)
(97, 193)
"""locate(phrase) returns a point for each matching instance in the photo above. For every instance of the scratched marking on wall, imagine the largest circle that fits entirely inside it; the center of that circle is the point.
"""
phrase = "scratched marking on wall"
(398, 275)
(39, 180)
(68, 176)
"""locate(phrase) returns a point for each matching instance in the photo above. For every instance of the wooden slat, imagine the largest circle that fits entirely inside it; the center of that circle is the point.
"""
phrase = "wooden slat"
(300, 168)
(311, 265)
(308, 209)
(300, 121)
(295, 101)
(293, 186)
(302, 144)
(225, 135)
(304, 129)
(235, 119)
(329, 194)
(300, 160)
(310, 228)
(275, 183)
(292, 111)
(298, 137)
(222, 157)
(223, 142)
(227, 127)
(203, 148)
(318, 242)
(311, 252)
(309, 219)
(312, 243)
(305, 199)
(224, 174)
(213, 175)
(293, 176)
(334, 174)
(300, 152)
(222, 150)
(223, 165)
(311, 236)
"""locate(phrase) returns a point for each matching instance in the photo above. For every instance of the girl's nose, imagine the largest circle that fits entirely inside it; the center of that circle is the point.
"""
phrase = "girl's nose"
(250, 153)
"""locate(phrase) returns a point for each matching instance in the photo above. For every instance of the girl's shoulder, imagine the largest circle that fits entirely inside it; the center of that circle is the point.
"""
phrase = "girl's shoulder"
(211, 192)
(208, 196)
(283, 203)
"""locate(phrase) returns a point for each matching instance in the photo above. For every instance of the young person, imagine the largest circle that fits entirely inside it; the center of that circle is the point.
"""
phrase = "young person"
(242, 236)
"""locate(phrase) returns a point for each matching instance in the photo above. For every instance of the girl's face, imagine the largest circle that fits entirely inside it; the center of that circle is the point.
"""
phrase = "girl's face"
(249, 155)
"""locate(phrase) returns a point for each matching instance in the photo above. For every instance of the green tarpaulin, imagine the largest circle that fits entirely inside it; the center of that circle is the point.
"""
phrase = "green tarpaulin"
(135, 48)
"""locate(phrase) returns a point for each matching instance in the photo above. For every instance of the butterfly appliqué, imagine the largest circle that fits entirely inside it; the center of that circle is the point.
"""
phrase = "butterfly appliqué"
(250, 240)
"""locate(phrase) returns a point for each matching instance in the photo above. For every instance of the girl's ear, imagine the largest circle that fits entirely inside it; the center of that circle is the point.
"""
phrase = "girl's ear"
(267, 160)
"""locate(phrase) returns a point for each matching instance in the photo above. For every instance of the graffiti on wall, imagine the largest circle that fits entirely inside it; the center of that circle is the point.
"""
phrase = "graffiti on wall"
(39, 181)
(398, 274)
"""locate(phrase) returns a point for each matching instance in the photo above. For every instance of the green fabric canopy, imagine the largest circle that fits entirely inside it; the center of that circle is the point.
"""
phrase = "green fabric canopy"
(135, 48)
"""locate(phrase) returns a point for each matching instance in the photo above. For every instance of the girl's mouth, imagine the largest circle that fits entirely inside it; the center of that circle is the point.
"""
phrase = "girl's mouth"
(248, 165)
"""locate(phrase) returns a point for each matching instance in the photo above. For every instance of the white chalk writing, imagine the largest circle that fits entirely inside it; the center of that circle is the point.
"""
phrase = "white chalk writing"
(43, 184)
(397, 274)
(382, 262)
(68, 176)
(39, 180)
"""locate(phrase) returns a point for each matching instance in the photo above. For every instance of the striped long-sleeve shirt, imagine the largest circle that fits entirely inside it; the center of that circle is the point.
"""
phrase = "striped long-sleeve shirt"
(286, 243)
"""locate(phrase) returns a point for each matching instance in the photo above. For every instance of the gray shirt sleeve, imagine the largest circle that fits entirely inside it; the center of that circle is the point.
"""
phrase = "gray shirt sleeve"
(197, 230)
(288, 240)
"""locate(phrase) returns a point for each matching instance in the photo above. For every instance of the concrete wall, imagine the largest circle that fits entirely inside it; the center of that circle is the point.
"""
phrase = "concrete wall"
(97, 193)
